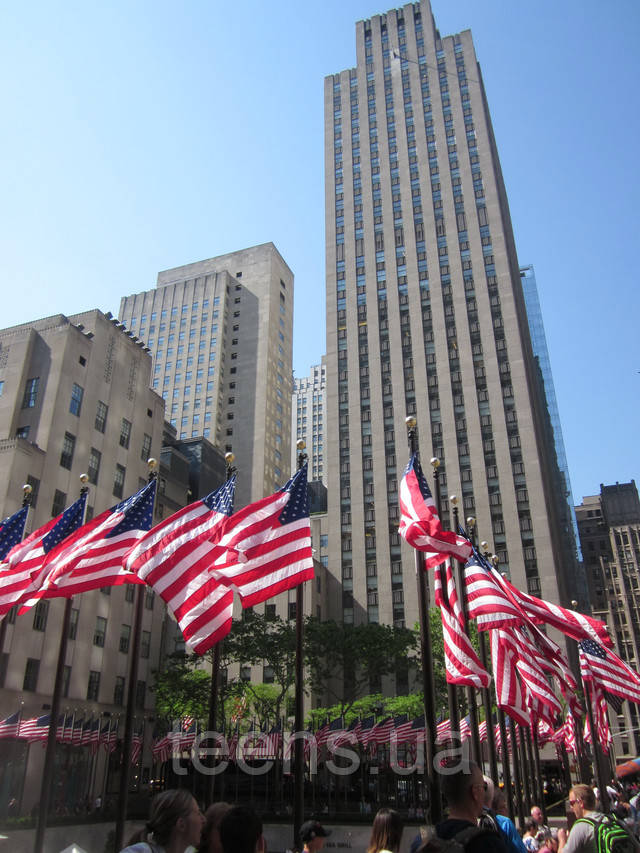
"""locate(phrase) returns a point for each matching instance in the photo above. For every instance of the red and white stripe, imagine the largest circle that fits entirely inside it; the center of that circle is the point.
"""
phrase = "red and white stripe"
(509, 695)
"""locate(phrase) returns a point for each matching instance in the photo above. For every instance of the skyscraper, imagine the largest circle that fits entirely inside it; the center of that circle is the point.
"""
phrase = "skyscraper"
(308, 410)
(609, 525)
(425, 317)
(220, 332)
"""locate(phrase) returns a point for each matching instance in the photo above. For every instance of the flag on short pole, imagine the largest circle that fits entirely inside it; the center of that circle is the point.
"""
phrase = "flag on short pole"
(12, 530)
(273, 538)
(10, 726)
(419, 521)
(174, 558)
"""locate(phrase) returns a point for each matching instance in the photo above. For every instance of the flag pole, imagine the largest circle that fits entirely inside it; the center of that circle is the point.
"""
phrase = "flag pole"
(298, 773)
(215, 663)
(526, 768)
(536, 761)
(50, 755)
(516, 771)
(431, 780)
(125, 768)
(476, 753)
(595, 751)
(27, 492)
(486, 692)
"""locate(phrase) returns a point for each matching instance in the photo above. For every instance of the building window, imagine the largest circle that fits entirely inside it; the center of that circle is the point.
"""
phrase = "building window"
(101, 416)
(245, 673)
(125, 433)
(129, 593)
(141, 695)
(93, 686)
(118, 482)
(68, 447)
(149, 598)
(66, 680)
(73, 623)
(23, 432)
(125, 636)
(94, 465)
(30, 393)
(118, 691)
(146, 447)
(100, 632)
(77, 393)
(59, 502)
(40, 616)
(31, 675)
(145, 644)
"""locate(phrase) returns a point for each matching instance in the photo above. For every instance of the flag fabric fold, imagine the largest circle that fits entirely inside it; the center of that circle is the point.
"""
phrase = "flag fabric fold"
(419, 522)
(12, 530)
(606, 671)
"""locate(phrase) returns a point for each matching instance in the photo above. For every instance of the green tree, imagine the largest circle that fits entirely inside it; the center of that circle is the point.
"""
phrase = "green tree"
(343, 660)
(182, 688)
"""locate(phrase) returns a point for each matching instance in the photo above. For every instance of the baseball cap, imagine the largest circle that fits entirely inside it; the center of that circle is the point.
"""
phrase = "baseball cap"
(313, 829)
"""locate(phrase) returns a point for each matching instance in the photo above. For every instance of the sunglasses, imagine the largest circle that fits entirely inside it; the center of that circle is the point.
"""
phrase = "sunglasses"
(573, 802)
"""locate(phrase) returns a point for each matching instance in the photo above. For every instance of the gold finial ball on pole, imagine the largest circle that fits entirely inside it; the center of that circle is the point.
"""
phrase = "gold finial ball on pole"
(84, 479)
(495, 559)
(471, 522)
(484, 546)
(27, 489)
(152, 464)
(453, 500)
(574, 603)
(435, 462)
(301, 444)
(229, 458)
(410, 421)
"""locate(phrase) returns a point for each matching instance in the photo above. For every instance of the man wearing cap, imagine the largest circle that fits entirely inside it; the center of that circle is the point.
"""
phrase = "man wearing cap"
(312, 835)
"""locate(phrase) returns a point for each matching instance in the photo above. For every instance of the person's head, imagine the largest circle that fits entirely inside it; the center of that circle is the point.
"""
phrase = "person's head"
(581, 800)
(530, 827)
(499, 803)
(464, 788)
(313, 834)
(241, 831)
(386, 833)
(210, 840)
(175, 815)
(536, 814)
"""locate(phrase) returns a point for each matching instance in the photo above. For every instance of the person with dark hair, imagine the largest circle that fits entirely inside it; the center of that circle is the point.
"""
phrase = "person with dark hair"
(582, 801)
(175, 824)
(506, 825)
(210, 838)
(312, 836)
(464, 790)
(241, 831)
(529, 835)
(386, 833)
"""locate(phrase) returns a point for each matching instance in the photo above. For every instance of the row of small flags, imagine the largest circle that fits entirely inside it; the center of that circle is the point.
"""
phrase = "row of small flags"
(367, 733)
(69, 730)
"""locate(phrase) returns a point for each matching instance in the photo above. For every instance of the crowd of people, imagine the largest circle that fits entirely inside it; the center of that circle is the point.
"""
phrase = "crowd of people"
(477, 822)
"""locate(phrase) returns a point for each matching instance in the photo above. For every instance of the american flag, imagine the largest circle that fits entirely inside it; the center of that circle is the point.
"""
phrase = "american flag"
(12, 530)
(381, 732)
(366, 727)
(273, 537)
(529, 664)
(570, 733)
(163, 748)
(22, 572)
(37, 728)
(349, 735)
(569, 622)
(462, 663)
(66, 735)
(10, 726)
(136, 747)
(487, 602)
(508, 689)
(402, 728)
(601, 718)
(419, 522)
(465, 728)
(482, 731)
(76, 735)
(545, 732)
(443, 731)
(86, 732)
(174, 558)
(607, 671)
(92, 557)
(334, 732)
(109, 735)
(188, 734)
(94, 736)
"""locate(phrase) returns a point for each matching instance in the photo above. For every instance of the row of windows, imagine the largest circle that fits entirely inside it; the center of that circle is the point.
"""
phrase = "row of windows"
(32, 672)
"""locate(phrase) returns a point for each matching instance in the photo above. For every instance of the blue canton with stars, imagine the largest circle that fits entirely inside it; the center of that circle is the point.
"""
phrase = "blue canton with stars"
(415, 466)
(298, 505)
(590, 647)
(70, 520)
(222, 499)
(137, 510)
(11, 530)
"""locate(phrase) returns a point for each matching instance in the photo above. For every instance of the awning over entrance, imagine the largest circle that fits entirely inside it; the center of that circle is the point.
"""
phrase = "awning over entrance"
(628, 768)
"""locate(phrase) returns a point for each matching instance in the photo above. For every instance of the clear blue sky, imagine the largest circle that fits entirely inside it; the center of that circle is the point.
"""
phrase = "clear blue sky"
(138, 136)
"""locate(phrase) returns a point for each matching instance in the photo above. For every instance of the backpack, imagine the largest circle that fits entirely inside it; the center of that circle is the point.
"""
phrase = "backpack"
(432, 843)
(610, 835)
